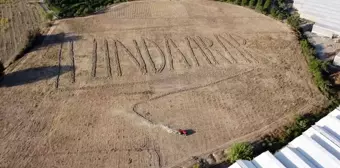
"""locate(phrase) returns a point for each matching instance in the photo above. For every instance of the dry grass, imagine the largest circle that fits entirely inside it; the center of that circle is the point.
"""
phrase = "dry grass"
(16, 20)
(5, 1)
(4, 24)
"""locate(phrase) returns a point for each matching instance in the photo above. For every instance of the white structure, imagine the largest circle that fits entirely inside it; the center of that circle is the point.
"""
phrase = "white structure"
(336, 60)
(325, 14)
(317, 147)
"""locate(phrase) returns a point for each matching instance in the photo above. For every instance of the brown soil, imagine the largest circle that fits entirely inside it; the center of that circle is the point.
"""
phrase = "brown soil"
(111, 89)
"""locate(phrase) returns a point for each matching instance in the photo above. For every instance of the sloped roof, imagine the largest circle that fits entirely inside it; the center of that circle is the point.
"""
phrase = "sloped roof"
(325, 14)
(319, 146)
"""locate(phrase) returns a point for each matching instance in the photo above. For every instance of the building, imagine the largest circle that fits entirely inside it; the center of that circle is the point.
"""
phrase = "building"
(319, 146)
(325, 14)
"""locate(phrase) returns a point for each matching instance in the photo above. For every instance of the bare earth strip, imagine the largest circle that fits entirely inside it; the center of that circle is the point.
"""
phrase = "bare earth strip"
(110, 90)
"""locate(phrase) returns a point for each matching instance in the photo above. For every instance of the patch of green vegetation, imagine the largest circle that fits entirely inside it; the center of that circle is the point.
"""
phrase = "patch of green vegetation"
(4, 24)
(259, 6)
(266, 6)
(317, 67)
(252, 3)
(238, 2)
(196, 165)
(49, 16)
(240, 151)
(278, 9)
(70, 8)
(273, 12)
(5, 1)
(245, 2)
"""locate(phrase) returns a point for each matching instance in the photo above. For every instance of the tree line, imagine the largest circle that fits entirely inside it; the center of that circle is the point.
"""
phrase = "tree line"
(70, 8)
(277, 8)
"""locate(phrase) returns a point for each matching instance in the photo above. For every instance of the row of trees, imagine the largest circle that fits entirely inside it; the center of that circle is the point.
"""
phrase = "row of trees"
(277, 8)
(70, 8)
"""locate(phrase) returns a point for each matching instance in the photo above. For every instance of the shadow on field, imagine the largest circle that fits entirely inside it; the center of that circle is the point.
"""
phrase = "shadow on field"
(221, 165)
(36, 41)
(52, 39)
(32, 75)
(190, 131)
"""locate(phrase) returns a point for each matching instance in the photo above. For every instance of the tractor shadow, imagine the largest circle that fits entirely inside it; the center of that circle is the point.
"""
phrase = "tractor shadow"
(190, 131)
(32, 75)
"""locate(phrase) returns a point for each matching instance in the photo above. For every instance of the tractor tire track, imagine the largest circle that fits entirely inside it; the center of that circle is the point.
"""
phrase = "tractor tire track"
(142, 64)
(131, 57)
(59, 66)
(187, 64)
(202, 51)
(236, 48)
(192, 52)
(116, 60)
(162, 55)
(244, 42)
(209, 51)
(107, 59)
(166, 128)
(153, 65)
(94, 59)
(225, 48)
(71, 56)
(170, 57)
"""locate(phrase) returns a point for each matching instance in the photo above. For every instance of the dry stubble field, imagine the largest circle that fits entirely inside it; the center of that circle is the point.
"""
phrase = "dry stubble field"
(108, 90)
(18, 17)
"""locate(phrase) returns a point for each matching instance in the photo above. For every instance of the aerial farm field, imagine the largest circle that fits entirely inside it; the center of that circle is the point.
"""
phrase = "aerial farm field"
(111, 89)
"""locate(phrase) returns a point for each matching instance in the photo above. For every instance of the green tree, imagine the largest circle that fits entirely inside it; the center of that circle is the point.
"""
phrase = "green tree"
(252, 3)
(238, 2)
(273, 11)
(69, 8)
(259, 5)
(280, 15)
(267, 5)
(245, 2)
(294, 21)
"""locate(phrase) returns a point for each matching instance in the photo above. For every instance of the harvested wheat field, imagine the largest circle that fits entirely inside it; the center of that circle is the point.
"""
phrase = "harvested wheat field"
(111, 89)
(17, 18)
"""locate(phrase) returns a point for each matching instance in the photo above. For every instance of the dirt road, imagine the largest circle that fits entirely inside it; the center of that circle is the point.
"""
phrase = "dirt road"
(108, 90)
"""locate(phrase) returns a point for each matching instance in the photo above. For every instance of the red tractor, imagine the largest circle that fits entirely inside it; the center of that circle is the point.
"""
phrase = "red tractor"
(182, 132)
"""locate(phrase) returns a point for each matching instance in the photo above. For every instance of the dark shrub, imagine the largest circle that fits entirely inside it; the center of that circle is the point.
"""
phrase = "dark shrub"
(252, 3)
(259, 6)
(245, 2)
(238, 151)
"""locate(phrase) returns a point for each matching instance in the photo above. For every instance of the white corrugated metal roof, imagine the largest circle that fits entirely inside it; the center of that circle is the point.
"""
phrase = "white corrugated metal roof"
(319, 146)
(325, 14)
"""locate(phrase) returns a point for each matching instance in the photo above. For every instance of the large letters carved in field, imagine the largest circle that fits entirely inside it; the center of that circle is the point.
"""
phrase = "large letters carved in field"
(149, 55)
